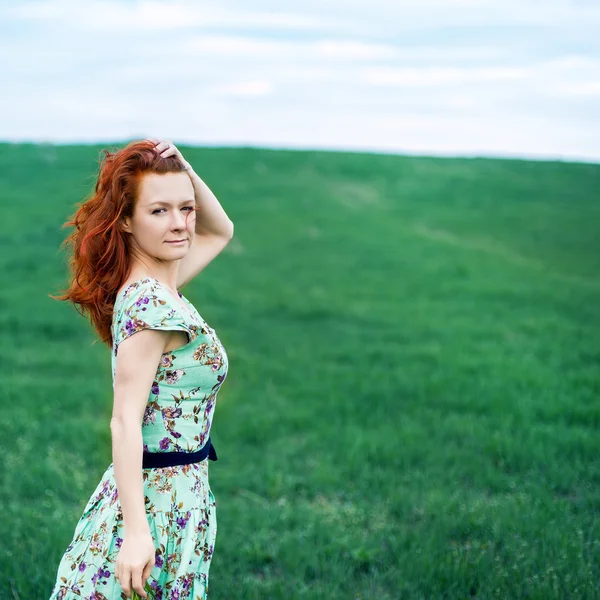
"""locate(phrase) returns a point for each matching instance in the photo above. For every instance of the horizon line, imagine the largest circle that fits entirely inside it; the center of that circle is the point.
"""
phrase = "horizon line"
(373, 150)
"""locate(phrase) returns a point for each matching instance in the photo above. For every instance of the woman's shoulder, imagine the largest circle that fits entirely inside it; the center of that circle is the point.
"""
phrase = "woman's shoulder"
(136, 287)
(143, 304)
(143, 297)
(131, 292)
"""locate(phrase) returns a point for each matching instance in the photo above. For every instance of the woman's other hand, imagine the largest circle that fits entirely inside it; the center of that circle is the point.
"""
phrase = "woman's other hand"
(135, 562)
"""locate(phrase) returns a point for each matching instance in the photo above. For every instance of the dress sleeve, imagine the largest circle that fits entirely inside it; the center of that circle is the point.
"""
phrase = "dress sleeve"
(148, 306)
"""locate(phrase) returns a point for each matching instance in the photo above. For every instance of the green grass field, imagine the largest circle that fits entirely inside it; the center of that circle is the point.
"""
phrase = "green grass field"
(413, 403)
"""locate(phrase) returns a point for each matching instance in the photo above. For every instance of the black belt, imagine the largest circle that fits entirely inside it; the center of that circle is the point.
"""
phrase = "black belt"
(153, 460)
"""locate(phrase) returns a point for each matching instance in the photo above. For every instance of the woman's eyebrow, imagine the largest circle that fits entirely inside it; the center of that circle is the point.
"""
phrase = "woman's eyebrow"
(163, 203)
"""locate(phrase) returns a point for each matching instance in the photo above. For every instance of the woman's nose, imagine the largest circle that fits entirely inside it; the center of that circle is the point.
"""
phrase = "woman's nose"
(178, 220)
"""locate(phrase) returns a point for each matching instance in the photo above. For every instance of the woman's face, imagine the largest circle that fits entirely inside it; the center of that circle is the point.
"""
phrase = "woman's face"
(163, 213)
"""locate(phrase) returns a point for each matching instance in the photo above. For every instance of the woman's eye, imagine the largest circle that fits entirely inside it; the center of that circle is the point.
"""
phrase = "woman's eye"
(157, 210)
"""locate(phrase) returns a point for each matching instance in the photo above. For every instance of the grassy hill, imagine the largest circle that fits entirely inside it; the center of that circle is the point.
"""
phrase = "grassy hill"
(412, 407)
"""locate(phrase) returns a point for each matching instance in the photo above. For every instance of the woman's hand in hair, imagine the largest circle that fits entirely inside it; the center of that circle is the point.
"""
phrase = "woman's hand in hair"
(167, 148)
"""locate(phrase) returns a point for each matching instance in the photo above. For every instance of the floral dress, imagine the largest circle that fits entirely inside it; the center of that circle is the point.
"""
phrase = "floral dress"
(180, 506)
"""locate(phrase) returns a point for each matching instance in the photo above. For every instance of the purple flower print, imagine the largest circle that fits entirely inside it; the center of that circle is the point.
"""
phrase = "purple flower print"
(129, 327)
(167, 360)
(182, 521)
(157, 589)
(118, 542)
(155, 389)
(171, 413)
(187, 582)
(164, 443)
(174, 376)
(96, 596)
(149, 416)
(82, 566)
(101, 573)
(175, 434)
(175, 594)
(158, 560)
(143, 300)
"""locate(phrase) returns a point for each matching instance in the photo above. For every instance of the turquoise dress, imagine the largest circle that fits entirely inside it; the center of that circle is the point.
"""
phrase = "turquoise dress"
(180, 506)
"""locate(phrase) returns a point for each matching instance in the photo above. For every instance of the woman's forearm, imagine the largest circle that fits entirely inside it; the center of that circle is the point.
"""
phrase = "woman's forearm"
(127, 460)
(210, 216)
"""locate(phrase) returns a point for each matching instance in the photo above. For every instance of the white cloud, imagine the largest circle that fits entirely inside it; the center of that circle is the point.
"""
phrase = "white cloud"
(438, 76)
(244, 88)
(152, 15)
(278, 49)
(342, 17)
(354, 50)
(402, 15)
(585, 89)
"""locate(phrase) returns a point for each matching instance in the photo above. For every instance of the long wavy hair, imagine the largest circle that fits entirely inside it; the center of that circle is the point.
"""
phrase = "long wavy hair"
(100, 256)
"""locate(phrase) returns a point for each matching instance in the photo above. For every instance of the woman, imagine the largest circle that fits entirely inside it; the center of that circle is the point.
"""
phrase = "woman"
(149, 527)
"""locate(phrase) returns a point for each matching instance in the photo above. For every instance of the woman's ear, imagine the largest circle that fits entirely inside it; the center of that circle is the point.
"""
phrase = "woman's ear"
(125, 224)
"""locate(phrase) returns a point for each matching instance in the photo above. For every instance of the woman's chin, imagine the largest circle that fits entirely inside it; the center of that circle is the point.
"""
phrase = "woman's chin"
(176, 253)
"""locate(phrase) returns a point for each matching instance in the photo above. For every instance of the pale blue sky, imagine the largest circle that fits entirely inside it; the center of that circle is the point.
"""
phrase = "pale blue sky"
(448, 77)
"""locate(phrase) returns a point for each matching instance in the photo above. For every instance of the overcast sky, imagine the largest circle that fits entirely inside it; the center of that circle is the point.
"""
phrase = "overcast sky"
(450, 77)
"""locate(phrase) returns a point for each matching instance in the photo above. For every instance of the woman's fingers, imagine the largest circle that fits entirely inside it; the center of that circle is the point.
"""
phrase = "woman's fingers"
(147, 571)
(125, 582)
(159, 144)
(164, 147)
(171, 151)
(138, 584)
(133, 581)
(118, 573)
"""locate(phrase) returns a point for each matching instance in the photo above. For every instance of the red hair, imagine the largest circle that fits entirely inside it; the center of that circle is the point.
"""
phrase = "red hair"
(100, 259)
